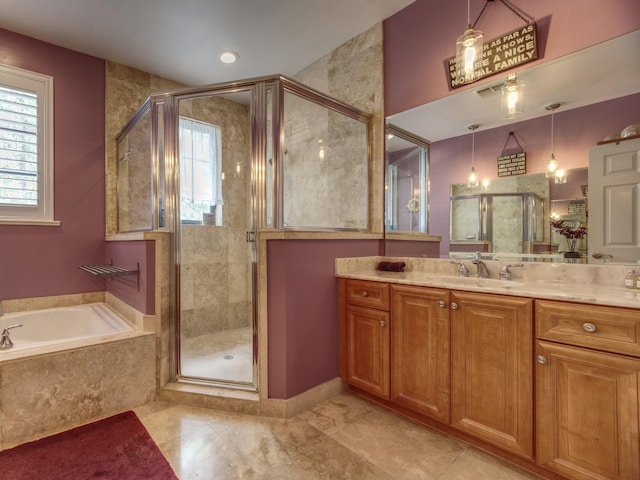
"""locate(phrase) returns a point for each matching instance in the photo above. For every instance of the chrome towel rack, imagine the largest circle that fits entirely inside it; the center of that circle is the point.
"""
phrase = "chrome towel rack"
(111, 271)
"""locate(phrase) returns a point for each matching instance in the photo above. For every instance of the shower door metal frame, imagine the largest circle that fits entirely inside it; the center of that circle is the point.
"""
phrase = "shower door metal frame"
(171, 123)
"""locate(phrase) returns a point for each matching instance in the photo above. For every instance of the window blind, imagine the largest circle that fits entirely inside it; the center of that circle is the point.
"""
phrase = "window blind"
(18, 147)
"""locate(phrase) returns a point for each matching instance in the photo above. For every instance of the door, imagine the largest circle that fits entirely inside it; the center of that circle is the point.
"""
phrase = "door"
(420, 350)
(614, 209)
(587, 413)
(492, 369)
(368, 349)
(216, 257)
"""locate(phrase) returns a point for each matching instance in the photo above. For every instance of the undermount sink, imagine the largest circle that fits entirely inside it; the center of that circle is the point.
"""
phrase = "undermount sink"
(494, 282)
(482, 282)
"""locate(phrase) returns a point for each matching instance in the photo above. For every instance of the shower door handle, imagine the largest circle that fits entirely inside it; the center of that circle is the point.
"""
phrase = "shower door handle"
(251, 237)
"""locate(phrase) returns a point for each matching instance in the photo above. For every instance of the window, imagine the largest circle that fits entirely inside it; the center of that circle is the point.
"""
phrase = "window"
(200, 172)
(26, 146)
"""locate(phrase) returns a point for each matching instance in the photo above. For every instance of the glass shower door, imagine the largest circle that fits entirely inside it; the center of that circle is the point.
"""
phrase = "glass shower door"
(215, 256)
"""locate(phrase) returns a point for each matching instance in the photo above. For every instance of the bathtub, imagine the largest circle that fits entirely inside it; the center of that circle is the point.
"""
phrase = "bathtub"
(52, 326)
(70, 366)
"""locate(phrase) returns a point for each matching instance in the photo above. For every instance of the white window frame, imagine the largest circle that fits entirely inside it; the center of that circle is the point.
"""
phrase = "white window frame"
(42, 86)
(216, 166)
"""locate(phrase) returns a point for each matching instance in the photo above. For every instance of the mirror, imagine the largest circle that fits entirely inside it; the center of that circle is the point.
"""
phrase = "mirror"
(595, 100)
(512, 215)
(406, 180)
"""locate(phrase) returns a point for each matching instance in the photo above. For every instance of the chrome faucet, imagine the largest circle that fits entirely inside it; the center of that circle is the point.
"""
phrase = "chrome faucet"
(462, 271)
(5, 340)
(505, 273)
(483, 271)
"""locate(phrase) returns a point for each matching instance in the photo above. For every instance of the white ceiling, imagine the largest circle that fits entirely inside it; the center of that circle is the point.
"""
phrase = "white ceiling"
(181, 39)
(602, 72)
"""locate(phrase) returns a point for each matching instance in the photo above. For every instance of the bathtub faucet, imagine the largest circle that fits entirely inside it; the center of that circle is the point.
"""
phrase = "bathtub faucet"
(5, 340)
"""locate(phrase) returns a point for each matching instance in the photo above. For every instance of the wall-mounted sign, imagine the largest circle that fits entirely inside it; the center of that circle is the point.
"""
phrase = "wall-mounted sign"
(515, 164)
(503, 53)
(577, 207)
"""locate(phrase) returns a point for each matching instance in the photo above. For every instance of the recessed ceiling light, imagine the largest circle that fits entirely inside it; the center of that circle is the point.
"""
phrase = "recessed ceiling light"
(228, 56)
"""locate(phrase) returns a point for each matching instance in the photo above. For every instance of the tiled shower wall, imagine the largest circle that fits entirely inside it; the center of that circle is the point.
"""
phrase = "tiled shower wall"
(215, 273)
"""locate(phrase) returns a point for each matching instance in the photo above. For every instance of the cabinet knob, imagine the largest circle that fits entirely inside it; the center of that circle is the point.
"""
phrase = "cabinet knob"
(542, 360)
(454, 306)
(589, 327)
(383, 323)
(364, 293)
(442, 303)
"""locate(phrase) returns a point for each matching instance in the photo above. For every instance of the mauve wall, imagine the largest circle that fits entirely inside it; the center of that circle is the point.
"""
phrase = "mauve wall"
(419, 38)
(303, 311)
(575, 131)
(39, 261)
(131, 255)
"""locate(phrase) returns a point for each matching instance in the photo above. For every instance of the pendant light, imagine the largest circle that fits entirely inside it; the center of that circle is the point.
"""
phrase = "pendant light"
(469, 47)
(552, 165)
(473, 180)
(512, 97)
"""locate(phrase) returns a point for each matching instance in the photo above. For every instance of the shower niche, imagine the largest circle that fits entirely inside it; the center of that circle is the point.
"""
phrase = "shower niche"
(215, 166)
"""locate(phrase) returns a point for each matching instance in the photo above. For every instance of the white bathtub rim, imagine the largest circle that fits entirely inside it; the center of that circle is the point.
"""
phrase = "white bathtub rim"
(49, 347)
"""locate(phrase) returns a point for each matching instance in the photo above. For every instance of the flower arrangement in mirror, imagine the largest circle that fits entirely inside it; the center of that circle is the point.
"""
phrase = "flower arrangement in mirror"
(570, 233)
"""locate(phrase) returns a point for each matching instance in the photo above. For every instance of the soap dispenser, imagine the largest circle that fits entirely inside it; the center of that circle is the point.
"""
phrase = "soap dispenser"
(631, 279)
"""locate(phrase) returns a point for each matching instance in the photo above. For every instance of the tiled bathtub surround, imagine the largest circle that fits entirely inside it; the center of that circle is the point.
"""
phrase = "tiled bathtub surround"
(58, 387)
(598, 284)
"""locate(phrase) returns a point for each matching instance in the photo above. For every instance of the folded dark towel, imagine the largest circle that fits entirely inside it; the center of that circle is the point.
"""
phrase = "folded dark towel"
(391, 266)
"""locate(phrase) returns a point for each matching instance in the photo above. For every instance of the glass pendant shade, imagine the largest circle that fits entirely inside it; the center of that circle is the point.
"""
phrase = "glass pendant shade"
(512, 98)
(469, 47)
(552, 166)
(473, 181)
(560, 177)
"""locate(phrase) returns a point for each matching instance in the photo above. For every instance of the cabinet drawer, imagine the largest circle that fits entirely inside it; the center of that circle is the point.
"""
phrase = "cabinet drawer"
(368, 294)
(604, 328)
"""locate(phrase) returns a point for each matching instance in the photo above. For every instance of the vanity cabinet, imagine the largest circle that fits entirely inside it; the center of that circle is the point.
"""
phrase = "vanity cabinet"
(420, 349)
(397, 344)
(489, 368)
(461, 358)
(492, 369)
(367, 336)
(587, 381)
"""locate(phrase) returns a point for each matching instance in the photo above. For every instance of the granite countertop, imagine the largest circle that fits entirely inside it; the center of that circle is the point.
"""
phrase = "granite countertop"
(554, 284)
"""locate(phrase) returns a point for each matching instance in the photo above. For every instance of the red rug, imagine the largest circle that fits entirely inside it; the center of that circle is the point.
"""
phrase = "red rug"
(117, 447)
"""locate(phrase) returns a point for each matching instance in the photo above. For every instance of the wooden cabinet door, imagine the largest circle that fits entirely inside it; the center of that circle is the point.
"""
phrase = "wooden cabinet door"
(587, 413)
(492, 369)
(368, 349)
(420, 349)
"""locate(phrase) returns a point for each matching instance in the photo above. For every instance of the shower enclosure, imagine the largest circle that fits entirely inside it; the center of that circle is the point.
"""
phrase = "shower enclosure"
(217, 165)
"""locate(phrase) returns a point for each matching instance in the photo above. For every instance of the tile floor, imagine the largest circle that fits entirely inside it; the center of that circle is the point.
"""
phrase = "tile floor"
(345, 437)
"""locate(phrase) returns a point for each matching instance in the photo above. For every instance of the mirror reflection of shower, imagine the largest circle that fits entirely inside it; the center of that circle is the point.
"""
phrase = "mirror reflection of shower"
(406, 179)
